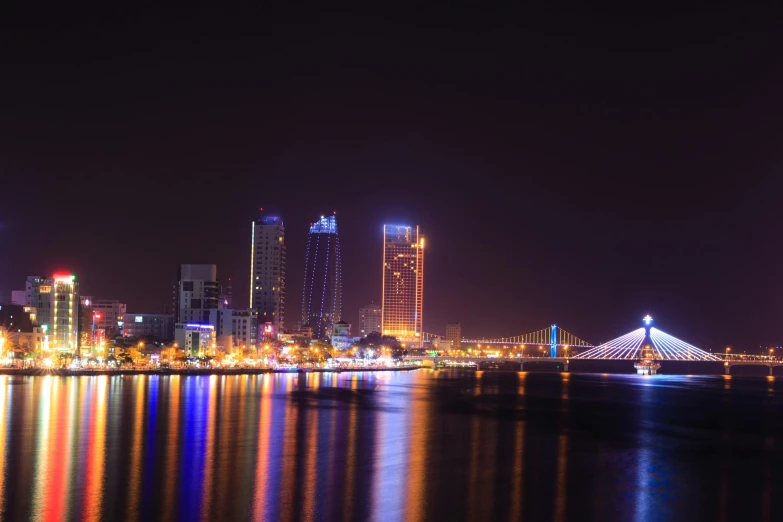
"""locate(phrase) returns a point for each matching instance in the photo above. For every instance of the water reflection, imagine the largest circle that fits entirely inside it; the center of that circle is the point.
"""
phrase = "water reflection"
(390, 446)
(5, 393)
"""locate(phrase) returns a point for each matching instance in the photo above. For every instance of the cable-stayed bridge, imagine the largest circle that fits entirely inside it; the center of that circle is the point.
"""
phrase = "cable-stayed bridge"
(664, 347)
(645, 346)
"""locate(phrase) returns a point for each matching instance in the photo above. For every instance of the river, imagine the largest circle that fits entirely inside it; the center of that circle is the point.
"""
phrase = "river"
(420, 445)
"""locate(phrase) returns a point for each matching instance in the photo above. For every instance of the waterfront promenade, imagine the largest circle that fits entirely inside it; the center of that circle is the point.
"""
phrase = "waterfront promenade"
(75, 372)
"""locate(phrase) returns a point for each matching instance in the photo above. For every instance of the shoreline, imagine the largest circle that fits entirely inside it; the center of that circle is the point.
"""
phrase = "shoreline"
(59, 372)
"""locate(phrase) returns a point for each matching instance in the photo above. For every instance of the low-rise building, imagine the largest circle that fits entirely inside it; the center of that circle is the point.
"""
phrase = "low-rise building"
(20, 330)
(196, 339)
(158, 327)
(341, 336)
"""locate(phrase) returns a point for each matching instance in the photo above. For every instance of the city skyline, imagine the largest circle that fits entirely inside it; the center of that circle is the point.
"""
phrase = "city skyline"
(474, 331)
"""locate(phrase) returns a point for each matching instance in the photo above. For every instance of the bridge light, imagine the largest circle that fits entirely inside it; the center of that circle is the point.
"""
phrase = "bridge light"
(647, 319)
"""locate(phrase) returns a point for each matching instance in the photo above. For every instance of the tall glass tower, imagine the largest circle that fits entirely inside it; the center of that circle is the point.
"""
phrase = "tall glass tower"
(267, 272)
(403, 283)
(322, 293)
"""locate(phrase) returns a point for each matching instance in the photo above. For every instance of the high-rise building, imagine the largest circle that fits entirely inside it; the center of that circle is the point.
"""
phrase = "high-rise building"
(370, 319)
(454, 335)
(403, 283)
(267, 272)
(322, 292)
(196, 293)
(56, 300)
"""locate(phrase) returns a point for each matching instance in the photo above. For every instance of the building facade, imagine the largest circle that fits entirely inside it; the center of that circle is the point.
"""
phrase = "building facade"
(196, 339)
(107, 314)
(235, 329)
(196, 293)
(267, 271)
(454, 335)
(403, 284)
(341, 336)
(322, 291)
(158, 327)
(370, 319)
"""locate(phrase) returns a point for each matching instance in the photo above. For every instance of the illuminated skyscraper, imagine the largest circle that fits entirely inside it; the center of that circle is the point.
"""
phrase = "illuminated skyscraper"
(267, 272)
(322, 293)
(403, 283)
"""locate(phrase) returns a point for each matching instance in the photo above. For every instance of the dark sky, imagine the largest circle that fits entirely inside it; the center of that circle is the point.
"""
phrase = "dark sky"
(567, 165)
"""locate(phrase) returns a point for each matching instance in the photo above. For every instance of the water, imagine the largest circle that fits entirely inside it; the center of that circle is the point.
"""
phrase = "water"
(392, 446)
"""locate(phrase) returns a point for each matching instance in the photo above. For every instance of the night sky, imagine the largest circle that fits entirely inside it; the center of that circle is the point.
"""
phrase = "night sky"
(566, 165)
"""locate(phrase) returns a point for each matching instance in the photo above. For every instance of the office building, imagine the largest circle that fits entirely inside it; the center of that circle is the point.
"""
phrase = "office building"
(370, 319)
(196, 293)
(107, 314)
(267, 272)
(65, 309)
(56, 301)
(322, 290)
(156, 327)
(403, 284)
(235, 329)
(244, 328)
(454, 335)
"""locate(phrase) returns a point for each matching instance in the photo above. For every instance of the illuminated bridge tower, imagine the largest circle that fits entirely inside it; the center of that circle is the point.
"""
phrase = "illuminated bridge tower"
(322, 293)
(647, 363)
(403, 284)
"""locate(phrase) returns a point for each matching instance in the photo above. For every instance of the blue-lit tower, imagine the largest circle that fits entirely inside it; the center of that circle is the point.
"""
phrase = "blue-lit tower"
(322, 293)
